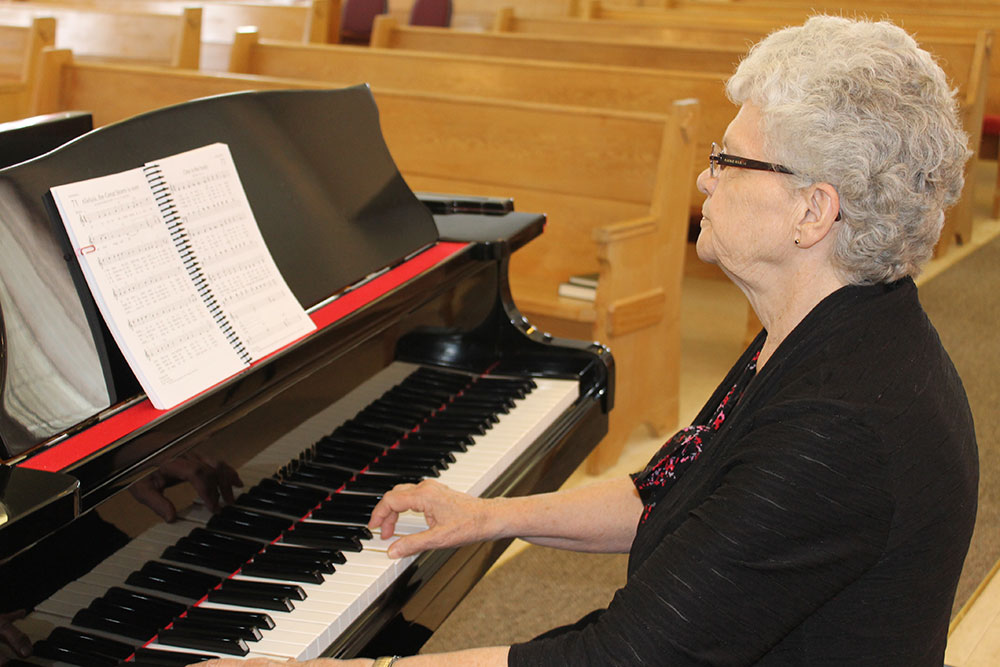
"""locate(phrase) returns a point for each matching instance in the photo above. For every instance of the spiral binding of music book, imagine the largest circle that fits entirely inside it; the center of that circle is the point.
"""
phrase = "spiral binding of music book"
(173, 257)
(181, 241)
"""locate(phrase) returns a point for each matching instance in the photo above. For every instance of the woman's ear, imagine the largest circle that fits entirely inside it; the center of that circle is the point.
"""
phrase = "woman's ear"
(822, 210)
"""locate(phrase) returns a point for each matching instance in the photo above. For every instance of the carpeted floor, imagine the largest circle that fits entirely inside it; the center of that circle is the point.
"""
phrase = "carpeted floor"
(541, 588)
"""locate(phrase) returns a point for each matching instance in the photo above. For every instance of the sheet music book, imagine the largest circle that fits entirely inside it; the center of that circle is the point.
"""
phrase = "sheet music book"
(180, 272)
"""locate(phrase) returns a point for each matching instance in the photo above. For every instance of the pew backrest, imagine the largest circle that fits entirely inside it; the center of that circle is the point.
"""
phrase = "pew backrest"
(542, 81)
(388, 33)
(124, 36)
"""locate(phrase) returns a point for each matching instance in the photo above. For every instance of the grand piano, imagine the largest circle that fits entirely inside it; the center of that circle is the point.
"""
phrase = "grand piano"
(420, 366)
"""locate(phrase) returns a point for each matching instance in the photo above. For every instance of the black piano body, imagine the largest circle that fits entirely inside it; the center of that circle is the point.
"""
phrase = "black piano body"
(386, 278)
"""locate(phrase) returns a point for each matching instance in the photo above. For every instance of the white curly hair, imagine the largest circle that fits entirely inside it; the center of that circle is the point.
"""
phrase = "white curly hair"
(859, 105)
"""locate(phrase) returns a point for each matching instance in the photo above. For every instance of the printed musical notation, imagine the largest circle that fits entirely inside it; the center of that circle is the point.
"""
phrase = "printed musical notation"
(178, 268)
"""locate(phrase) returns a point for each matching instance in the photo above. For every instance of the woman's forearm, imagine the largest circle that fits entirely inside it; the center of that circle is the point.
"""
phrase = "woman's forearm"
(600, 517)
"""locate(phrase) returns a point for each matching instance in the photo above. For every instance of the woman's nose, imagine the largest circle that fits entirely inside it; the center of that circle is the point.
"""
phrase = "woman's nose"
(706, 183)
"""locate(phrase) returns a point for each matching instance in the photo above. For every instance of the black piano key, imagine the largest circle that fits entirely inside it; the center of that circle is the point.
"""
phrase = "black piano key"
(459, 423)
(473, 412)
(276, 505)
(348, 515)
(456, 443)
(525, 383)
(402, 469)
(295, 491)
(431, 382)
(334, 530)
(251, 600)
(306, 561)
(378, 417)
(148, 621)
(248, 523)
(337, 443)
(151, 657)
(172, 579)
(264, 569)
(431, 430)
(340, 457)
(53, 651)
(401, 453)
(203, 556)
(298, 554)
(188, 639)
(210, 628)
(402, 409)
(301, 538)
(85, 642)
(368, 434)
(152, 605)
(258, 620)
(290, 591)
(92, 620)
(379, 483)
(414, 395)
(331, 466)
(499, 404)
(328, 478)
(352, 500)
(232, 544)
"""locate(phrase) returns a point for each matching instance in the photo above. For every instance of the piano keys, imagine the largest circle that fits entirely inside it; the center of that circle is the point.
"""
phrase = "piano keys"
(421, 367)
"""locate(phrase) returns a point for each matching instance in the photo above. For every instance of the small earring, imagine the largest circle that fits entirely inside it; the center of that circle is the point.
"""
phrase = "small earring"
(797, 241)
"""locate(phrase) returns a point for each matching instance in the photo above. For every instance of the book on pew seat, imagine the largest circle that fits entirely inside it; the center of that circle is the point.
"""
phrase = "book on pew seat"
(582, 287)
(584, 280)
(180, 272)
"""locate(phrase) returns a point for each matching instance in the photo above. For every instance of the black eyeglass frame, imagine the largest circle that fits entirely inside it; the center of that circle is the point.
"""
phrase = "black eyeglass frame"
(719, 159)
(726, 160)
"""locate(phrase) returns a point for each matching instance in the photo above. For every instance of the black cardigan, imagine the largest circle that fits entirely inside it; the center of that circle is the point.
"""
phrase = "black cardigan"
(827, 521)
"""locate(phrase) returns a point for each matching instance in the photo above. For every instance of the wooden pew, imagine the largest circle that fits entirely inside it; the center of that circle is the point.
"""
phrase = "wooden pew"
(20, 53)
(293, 20)
(615, 186)
(966, 61)
(478, 14)
(543, 81)
(941, 21)
(388, 33)
(508, 20)
(121, 36)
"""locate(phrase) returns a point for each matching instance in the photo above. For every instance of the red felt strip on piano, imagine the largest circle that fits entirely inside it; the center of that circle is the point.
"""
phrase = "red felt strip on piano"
(143, 414)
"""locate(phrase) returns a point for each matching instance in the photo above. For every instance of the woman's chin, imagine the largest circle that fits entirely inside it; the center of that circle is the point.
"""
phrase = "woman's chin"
(704, 247)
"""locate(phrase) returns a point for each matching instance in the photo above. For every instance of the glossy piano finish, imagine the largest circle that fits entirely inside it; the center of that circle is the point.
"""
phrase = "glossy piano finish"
(330, 203)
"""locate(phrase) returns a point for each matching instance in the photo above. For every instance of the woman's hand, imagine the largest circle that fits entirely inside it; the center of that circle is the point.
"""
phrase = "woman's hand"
(12, 636)
(212, 481)
(453, 518)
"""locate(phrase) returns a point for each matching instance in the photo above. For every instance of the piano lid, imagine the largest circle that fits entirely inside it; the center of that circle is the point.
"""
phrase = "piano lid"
(331, 206)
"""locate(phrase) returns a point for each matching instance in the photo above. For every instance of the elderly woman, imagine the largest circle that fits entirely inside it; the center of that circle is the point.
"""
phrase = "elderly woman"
(819, 509)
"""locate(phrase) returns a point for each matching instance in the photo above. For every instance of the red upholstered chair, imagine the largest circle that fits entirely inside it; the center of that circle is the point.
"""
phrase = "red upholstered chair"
(357, 17)
(431, 13)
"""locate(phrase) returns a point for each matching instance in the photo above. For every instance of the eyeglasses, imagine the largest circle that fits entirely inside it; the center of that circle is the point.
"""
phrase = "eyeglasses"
(717, 160)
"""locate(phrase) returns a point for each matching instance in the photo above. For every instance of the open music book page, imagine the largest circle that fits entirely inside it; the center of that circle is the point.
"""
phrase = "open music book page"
(180, 272)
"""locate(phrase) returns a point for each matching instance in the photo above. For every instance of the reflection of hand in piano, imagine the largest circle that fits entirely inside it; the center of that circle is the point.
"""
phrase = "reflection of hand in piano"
(212, 481)
(12, 636)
